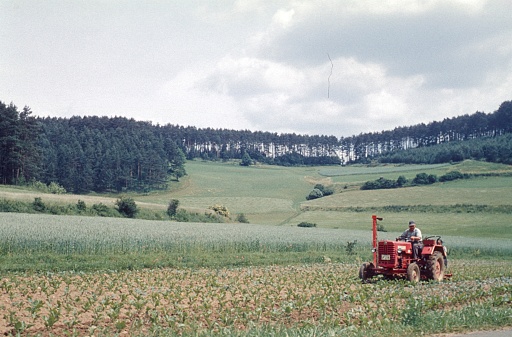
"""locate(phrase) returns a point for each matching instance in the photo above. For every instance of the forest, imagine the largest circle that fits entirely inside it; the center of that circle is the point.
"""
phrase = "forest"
(115, 154)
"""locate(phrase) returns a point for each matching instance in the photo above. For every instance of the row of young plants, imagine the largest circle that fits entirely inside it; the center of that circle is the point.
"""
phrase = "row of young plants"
(285, 300)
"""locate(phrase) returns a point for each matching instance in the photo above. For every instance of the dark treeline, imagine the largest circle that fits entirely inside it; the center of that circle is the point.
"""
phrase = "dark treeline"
(85, 154)
(385, 146)
(496, 149)
(116, 154)
(455, 130)
(107, 154)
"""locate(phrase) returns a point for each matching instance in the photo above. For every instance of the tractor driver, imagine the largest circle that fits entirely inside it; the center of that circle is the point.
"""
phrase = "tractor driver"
(413, 234)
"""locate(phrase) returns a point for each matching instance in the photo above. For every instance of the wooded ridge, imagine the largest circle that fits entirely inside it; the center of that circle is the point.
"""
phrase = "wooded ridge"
(103, 154)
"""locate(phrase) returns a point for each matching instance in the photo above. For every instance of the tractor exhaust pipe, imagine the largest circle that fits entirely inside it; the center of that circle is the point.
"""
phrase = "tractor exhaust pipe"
(374, 243)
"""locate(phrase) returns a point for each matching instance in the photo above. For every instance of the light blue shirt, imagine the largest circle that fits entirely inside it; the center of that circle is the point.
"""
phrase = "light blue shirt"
(407, 234)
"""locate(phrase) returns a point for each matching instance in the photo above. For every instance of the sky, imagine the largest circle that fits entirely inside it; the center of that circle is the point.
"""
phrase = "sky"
(317, 67)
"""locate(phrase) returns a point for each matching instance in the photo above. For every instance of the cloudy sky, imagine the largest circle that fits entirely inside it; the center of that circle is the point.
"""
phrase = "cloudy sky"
(331, 67)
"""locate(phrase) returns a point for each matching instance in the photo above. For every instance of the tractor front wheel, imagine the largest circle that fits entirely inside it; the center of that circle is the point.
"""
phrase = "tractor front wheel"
(435, 267)
(366, 271)
(413, 273)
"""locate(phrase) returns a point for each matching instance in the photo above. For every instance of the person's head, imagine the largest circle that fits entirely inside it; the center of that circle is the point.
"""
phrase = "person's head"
(412, 225)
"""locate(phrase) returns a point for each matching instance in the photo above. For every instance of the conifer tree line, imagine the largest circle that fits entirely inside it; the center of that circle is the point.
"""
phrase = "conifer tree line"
(119, 154)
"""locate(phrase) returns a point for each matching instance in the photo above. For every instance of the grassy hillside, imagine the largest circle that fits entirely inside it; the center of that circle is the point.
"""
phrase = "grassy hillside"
(277, 196)
(274, 195)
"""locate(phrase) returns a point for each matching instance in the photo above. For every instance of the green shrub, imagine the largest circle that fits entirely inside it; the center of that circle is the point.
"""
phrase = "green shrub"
(246, 160)
(314, 194)
(38, 205)
(401, 181)
(173, 207)
(55, 188)
(15, 206)
(182, 216)
(452, 175)
(102, 210)
(326, 190)
(81, 206)
(424, 179)
(306, 224)
(127, 207)
(40, 186)
(381, 183)
(242, 218)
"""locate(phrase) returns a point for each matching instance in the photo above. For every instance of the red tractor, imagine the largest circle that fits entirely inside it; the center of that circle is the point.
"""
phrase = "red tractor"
(396, 259)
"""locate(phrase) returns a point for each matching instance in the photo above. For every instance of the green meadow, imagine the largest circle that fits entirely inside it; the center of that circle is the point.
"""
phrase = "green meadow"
(272, 195)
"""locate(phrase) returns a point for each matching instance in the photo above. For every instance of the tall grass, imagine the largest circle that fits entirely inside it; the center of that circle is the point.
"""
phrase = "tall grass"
(39, 242)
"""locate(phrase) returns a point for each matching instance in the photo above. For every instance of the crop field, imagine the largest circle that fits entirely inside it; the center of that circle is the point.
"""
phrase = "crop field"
(212, 279)
(85, 276)
(314, 299)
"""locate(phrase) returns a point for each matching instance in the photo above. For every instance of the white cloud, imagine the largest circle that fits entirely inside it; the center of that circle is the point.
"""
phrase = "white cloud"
(260, 65)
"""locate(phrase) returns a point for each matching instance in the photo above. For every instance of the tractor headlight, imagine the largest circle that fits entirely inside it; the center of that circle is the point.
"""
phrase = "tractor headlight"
(374, 250)
(399, 250)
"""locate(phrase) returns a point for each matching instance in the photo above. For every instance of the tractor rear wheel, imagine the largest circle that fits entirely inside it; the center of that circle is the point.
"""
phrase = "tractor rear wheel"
(366, 271)
(435, 267)
(413, 273)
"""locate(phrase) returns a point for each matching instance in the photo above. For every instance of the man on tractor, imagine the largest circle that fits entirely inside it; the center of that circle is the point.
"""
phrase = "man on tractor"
(413, 235)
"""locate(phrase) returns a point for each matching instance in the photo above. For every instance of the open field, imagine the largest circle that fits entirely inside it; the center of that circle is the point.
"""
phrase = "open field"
(83, 276)
(275, 195)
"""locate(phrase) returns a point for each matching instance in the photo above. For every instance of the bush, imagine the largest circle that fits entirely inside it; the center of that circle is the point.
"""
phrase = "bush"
(81, 206)
(314, 194)
(401, 181)
(15, 206)
(242, 218)
(326, 190)
(40, 186)
(452, 175)
(127, 207)
(246, 160)
(55, 188)
(173, 207)
(184, 216)
(424, 179)
(38, 205)
(306, 224)
(220, 210)
(101, 210)
(381, 183)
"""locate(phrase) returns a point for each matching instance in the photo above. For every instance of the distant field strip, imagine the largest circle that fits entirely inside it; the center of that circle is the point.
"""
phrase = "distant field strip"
(424, 195)
(358, 170)
(242, 204)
